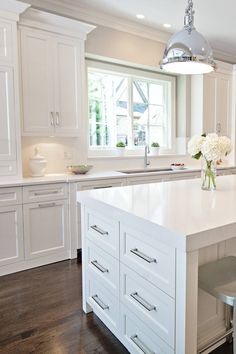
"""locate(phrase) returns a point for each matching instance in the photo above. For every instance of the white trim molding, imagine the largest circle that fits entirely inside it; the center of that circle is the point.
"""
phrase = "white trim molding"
(57, 24)
(11, 9)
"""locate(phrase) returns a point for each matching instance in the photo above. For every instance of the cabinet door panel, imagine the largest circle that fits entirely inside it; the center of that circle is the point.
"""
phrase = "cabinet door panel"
(68, 87)
(37, 83)
(223, 105)
(45, 228)
(210, 90)
(11, 235)
(7, 124)
(5, 41)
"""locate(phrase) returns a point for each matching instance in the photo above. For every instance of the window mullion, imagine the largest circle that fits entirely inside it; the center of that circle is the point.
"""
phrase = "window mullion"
(131, 113)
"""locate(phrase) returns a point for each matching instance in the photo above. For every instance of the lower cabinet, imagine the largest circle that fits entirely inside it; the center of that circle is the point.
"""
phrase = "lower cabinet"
(45, 228)
(11, 235)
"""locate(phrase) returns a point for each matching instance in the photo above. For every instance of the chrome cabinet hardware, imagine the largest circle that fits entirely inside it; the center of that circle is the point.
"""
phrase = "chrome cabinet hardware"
(143, 256)
(45, 193)
(142, 302)
(141, 345)
(47, 205)
(99, 267)
(57, 119)
(100, 303)
(99, 230)
(52, 118)
(102, 187)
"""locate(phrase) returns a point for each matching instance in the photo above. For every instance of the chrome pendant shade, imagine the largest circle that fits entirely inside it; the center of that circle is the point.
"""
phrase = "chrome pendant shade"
(187, 51)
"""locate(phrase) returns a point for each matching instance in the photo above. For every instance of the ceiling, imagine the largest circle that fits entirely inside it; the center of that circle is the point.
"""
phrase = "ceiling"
(214, 19)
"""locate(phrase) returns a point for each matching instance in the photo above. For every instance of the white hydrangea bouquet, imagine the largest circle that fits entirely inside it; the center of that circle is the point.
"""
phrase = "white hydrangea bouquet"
(211, 148)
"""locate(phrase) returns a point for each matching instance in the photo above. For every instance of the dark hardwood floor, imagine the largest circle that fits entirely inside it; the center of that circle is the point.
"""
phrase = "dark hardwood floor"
(40, 312)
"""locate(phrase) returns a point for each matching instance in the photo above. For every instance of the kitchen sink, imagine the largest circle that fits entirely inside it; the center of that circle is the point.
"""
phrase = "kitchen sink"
(147, 170)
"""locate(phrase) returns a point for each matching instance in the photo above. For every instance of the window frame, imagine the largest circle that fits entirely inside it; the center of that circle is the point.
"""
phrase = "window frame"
(137, 73)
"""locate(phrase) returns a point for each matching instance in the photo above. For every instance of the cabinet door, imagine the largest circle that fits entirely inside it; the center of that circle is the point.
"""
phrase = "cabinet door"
(223, 101)
(209, 114)
(11, 235)
(6, 42)
(45, 228)
(37, 77)
(68, 86)
(7, 116)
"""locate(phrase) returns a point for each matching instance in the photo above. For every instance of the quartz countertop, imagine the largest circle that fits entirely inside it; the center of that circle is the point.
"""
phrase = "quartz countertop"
(196, 218)
(92, 176)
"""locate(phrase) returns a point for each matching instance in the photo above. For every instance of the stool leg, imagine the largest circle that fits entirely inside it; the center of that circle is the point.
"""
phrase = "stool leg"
(234, 320)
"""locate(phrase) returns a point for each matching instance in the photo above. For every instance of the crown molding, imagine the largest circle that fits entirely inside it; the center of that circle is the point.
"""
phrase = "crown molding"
(87, 14)
(11, 9)
(227, 57)
(47, 21)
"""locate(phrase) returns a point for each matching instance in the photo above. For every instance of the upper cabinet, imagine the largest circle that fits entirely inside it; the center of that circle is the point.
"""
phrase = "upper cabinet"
(10, 156)
(53, 74)
(212, 101)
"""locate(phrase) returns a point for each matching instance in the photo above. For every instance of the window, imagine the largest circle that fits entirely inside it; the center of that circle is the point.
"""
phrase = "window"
(129, 105)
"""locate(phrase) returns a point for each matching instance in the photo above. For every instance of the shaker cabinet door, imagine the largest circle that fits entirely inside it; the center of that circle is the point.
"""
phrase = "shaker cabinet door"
(37, 77)
(11, 235)
(7, 115)
(67, 86)
(45, 228)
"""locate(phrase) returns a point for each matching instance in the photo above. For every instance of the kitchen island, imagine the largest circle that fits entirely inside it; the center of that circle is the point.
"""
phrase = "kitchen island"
(142, 246)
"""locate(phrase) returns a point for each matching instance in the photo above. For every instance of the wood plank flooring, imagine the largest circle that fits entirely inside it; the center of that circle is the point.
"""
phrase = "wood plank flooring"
(40, 312)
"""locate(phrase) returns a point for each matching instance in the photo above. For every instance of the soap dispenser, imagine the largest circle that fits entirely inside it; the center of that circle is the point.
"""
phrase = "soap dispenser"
(37, 164)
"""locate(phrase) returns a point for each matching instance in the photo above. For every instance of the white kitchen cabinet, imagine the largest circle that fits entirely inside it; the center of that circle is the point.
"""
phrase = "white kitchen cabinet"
(11, 235)
(53, 67)
(45, 228)
(212, 101)
(75, 218)
(7, 121)
(10, 160)
(6, 32)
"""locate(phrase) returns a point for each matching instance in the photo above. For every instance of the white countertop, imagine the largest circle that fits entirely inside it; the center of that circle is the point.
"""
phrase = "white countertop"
(91, 176)
(200, 217)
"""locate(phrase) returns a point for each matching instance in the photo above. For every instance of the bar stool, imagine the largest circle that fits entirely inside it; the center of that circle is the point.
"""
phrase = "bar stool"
(219, 279)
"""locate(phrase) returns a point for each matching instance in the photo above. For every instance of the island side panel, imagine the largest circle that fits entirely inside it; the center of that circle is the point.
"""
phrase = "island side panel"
(186, 302)
(86, 307)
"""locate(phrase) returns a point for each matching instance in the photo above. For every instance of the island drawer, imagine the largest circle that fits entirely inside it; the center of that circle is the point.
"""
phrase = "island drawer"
(45, 192)
(10, 196)
(103, 231)
(151, 305)
(103, 303)
(138, 338)
(154, 260)
(103, 267)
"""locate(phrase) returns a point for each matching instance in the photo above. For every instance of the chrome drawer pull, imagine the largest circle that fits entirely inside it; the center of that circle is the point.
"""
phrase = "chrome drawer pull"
(143, 256)
(141, 345)
(100, 303)
(99, 267)
(45, 193)
(102, 187)
(142, 302)
(47, 205)
(99, 230)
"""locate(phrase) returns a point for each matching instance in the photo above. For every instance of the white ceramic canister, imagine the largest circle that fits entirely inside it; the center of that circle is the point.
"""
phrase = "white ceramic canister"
(37, 164)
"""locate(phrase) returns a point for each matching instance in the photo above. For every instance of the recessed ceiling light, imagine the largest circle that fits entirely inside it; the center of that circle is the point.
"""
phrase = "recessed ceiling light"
(167, 25)
(140, 16)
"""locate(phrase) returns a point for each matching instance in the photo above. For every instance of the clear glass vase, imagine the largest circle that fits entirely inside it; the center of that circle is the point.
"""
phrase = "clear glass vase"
(208, 175)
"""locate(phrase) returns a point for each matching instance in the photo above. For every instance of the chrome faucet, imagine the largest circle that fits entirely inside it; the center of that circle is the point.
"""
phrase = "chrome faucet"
(146, 152)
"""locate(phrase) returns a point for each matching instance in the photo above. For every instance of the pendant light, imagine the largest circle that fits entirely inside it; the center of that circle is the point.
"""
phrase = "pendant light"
(187, 51)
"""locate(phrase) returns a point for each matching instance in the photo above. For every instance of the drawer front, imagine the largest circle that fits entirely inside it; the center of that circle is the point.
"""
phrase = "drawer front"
(115, 182)
(103, 303)
(103, 231)
(103, 267)
(10, 196)
(154, 261)
(138, 338)
(151, 305)
(43, 193)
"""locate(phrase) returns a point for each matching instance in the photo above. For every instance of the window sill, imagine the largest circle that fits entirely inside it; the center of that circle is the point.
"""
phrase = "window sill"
(125, 157)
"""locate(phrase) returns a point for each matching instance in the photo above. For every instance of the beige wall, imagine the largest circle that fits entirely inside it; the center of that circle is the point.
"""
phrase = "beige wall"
(111, 43)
